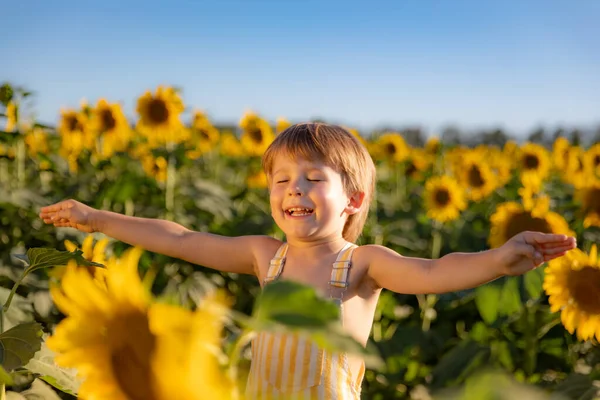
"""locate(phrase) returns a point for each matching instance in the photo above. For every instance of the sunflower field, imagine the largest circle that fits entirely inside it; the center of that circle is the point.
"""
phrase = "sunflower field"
(89, 317)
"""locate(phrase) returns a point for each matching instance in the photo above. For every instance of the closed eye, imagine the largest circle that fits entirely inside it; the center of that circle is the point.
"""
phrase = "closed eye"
(282, 181)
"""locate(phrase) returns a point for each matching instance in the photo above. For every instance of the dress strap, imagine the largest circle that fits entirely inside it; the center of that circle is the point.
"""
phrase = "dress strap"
(341, 267)
(276, 264)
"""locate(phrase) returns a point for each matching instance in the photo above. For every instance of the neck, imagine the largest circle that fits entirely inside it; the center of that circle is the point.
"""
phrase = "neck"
(318, 248)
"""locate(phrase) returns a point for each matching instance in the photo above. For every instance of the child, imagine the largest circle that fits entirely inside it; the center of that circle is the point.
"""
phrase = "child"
(321, 182)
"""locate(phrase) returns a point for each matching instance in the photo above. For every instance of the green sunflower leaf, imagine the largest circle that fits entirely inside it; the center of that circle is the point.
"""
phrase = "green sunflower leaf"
(19, 344)
(63, 379)
(40, 257)
(487, 300)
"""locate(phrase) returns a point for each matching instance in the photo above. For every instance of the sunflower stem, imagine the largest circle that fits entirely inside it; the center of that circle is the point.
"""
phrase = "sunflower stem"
(21, 162)
(170, 186)
(10, 297)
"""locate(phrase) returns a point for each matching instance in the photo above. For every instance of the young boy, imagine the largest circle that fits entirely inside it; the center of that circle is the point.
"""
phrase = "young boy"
(321, 182)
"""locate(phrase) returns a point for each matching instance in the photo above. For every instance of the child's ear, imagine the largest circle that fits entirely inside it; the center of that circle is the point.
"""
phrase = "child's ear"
(355, 203)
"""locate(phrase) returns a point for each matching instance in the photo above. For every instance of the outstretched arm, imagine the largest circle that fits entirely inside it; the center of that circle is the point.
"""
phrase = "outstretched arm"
(227, 254)
(459, 271)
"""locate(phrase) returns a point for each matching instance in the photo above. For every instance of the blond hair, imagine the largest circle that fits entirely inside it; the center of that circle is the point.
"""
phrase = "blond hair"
(336, 147)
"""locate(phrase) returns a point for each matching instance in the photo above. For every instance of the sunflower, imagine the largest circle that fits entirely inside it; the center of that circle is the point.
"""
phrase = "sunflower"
(230, 146)
(444, 198)
(73, 128)
(36, 141)
(110, 123)
(572, 283)
(589, 198)
(391, 147)
(500, 162)
(510, 149)
(127, 347)
(155, 167)
(534, 164)
(205, 135)
(257, 134)
(476, 176)
(417, 163)
(159, 116)
(433, 145)
(282, 124)
(11, 117)
(91, 252)
(592, 161)
(257, 180)
(560, 153)
(511, 218)
(574, 172)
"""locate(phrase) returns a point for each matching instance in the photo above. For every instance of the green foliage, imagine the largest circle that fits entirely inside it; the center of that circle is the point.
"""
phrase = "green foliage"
(19, 344)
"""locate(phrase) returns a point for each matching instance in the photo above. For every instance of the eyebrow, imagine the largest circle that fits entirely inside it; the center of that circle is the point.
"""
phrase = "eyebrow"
(311, 169)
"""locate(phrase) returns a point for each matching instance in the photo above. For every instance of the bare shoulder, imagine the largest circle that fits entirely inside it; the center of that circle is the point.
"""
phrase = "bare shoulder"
(364, 256)
(263, 248)
(370, 257)
(369, 253)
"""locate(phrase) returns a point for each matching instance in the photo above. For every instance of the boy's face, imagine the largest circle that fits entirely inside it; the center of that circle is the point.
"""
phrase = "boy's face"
(308, 200)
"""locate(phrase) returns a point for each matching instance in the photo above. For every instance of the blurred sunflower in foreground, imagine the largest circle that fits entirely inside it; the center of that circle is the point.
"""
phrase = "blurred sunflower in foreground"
(126, 346)
(95, 252)
(533, 214)
(444, 199)
(572, 283)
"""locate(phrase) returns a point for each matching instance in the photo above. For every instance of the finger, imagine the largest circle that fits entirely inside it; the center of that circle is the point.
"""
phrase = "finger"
(571, 243)
(63, 215)
(530, 252)
(549, 257)
(542, 238)
(555, 250)
(53, 207)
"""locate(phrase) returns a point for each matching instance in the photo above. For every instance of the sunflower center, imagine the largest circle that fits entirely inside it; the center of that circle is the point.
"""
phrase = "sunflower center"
(592, 201)
(256, 135)
(530, 161)
(442, 197)
(584, 286)
(390, 149)
(203, 134)
(73, 123)
(107, 120)
(597, 160)
(131, 355)
(524, 221)
(475, 178)
(410, 169)
(158, 112)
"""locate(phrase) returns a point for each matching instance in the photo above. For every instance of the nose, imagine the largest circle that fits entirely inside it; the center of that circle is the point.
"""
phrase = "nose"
(294, 189)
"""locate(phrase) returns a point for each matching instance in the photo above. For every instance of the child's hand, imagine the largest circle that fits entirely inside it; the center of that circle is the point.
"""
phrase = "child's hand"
(69, 213)
(528, 250)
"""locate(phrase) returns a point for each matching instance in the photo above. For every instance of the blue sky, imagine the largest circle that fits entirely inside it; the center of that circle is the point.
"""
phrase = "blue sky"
(473, 64)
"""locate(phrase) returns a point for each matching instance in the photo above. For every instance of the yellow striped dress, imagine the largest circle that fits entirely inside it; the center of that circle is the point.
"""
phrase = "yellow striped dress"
(288, 366)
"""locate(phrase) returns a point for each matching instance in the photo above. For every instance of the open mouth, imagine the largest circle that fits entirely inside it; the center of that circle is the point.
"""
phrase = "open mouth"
(299, 211)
